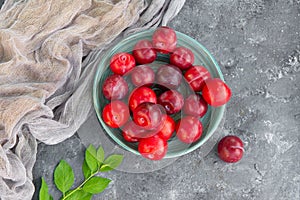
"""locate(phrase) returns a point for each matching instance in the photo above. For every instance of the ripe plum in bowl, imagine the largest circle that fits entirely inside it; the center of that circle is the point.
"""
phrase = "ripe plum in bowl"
(210, 121)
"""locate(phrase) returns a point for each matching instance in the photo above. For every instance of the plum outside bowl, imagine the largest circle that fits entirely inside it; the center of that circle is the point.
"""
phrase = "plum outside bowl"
(176, 148)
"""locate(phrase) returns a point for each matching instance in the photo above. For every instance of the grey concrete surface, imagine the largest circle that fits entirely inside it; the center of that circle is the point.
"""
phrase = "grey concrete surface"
(257, 44)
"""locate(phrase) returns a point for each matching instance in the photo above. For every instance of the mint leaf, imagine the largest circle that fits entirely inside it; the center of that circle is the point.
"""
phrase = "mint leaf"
(91, 158)
(111, 163)
(44, 195)
(86, 170)
(63, 176)
(100, 154)
(96, 185)
(80, 194)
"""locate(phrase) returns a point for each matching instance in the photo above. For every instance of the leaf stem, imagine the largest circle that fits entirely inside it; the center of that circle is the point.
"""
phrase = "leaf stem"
(80, 186)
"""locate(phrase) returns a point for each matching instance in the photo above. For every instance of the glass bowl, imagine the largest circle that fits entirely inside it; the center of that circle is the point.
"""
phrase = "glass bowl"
(210, 121)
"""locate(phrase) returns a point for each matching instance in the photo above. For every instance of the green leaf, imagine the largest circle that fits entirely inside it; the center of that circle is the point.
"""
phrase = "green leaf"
(105, 168)
(100, 154)
(96, 185)
(63, 176)
(80, 195)
(86, 170)
(112, 162)
(91, 158)
(44, 195)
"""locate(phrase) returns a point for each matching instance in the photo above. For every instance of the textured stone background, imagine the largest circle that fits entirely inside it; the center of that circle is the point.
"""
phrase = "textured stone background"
(257, 44)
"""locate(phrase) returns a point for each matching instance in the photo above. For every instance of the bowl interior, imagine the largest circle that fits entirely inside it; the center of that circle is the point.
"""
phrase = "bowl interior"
(202, 57)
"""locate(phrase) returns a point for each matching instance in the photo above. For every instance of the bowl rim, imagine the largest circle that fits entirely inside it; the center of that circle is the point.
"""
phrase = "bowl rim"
(190, 148)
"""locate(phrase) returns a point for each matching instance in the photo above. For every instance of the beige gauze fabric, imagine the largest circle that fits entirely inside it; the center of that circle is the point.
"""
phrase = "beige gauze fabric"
(45, 88)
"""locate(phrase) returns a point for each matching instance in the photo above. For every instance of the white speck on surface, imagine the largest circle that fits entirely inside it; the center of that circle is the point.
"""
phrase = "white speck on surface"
(269, 137)
(257, 39)
(173, 194)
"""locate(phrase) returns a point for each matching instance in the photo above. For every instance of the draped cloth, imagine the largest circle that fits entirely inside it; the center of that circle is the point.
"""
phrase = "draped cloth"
(49, 51)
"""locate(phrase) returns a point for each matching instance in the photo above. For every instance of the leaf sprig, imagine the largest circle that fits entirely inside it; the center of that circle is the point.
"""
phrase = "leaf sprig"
(94, 163)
